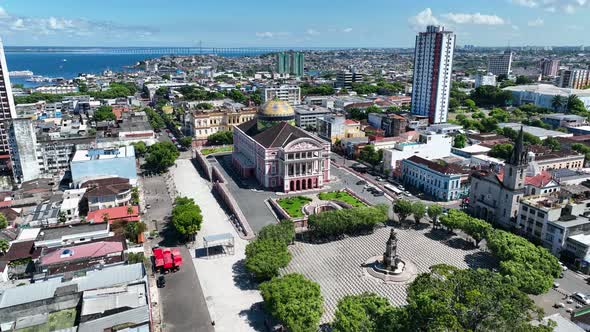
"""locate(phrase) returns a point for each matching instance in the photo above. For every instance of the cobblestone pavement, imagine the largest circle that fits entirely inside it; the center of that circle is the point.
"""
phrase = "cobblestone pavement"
(336, 266)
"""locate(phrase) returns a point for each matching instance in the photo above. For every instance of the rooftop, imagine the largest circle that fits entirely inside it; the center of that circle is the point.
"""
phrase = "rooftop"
(89, 250)
(549, 90)
(440, 168)
(582, 238)
(96, 154)
(536, 131)
(105, 299)
(279, 135)
(114, 213)
(54, 233)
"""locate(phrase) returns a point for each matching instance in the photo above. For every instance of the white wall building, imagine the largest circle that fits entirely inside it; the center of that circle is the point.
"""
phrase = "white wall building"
(433, 65)
(7, 108)
(288, 93)
(23, 150)
(429, 146)
(500, 64)
(487, 79)
(542, 94)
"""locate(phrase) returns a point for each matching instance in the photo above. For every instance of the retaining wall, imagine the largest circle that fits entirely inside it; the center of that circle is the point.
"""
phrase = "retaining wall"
(201, 160)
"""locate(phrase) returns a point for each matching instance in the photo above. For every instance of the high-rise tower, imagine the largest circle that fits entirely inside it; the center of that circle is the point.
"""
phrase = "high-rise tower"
(7, 108)
(433, 65)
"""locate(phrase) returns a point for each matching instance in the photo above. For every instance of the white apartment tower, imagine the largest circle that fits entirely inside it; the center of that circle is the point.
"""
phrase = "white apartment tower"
(500, 64)
(288, 93)
(433, 65)
(7, 108)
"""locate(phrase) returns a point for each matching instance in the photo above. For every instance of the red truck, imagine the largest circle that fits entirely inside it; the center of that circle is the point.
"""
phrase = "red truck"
(167, 259)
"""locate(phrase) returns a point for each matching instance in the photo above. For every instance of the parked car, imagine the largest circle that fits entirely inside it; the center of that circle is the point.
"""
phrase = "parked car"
(563, 267)
(161, 282)
(378, 193)
(581, 297)
(361, 183)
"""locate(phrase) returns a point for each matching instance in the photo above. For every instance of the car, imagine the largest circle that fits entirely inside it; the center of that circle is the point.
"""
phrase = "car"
(380, 179)
(581, 298)
(361, 183)
(559, 305)
(563, 267)
(161, 282)
(147, 206)
(555, 285)
(378, 193)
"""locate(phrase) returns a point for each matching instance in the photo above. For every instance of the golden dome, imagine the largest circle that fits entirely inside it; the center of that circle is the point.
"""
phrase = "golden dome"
(276, 108)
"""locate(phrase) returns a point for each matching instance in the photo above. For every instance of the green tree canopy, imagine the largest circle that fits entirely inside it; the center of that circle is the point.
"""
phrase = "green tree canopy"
(434, 211)
(295, 301)
(460, 141)
(186, 141)
(359, 313)
(221, 138)
(491, 96)
(264, 258)
(354, 221)
(403, 208)
(186, 216)
(140, 149)
(104, 113)
(3, 221)
(161, 155)
(370, 155)
(4, 246)
(552, 143)
(284, 231)
(419, 211)
(501, 151)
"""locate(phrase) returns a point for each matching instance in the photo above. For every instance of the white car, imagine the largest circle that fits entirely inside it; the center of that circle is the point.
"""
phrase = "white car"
(581, 297)
(563, 267)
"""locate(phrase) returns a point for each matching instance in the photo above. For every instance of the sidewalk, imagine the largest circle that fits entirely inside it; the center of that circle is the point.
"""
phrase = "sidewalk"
(230, 297)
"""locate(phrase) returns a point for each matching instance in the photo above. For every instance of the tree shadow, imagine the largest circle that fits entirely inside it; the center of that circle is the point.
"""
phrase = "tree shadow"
(438, 234)
(256, 316)
(419, 227)
(242, 278)
(482, 259)
(169, 236)
(460, 243)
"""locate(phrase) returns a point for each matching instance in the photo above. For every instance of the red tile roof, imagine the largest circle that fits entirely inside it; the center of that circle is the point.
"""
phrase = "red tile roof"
(89, 250)
(351, 122)
(538, 180)
(118, 213)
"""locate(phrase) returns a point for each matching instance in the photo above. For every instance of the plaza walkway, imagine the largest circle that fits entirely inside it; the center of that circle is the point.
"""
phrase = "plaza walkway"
(234, 304)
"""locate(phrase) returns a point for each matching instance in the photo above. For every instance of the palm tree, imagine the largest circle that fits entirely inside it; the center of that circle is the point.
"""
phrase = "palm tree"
(573, 101)
(557, 102)
(4, 246)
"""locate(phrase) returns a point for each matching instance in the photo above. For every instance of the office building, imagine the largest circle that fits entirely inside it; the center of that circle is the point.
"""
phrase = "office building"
(549, 67)
(306, 116)
(391, 124)
(500, 64)
(334, 127)
(291, 63)
(288, 93)
(7, 108)
(487, 79)
(345, 78)
(574, 78)
(442, 182)
(100, 163)
(23, 149)
(429, 146)
(433, 65)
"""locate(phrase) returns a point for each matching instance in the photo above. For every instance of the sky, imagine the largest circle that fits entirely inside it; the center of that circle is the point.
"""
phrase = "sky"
(290, 23)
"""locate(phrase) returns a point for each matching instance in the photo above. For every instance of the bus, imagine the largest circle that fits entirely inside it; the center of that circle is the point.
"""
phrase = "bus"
(392, 188)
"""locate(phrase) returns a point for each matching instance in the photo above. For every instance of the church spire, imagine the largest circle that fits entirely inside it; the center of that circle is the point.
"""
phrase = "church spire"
(518, 156)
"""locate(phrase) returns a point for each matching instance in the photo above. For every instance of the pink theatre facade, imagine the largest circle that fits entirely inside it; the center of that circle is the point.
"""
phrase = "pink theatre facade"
(301, 164)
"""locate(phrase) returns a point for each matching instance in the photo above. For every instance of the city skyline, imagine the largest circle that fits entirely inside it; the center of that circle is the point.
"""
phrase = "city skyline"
(379, 23)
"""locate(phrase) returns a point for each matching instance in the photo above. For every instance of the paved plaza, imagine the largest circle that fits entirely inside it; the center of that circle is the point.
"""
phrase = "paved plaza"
(234, 304)
(336, 266)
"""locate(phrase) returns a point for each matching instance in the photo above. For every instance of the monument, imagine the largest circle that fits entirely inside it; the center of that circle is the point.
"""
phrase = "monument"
(390, 267)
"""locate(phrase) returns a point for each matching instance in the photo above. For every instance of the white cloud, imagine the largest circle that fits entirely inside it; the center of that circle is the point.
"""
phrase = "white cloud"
(312, 32)
(265, 34)
(536, 23)
(515, 27)
(477, 18)
(423, 19)
(347, 30)
(526, 3)
(567, 6)
(3, 13)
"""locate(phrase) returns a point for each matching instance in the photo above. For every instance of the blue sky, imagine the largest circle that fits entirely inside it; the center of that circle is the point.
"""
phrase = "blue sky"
(290, 23)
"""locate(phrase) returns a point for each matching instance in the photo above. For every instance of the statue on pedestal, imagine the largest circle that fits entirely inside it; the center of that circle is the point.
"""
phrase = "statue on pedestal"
(390, 259)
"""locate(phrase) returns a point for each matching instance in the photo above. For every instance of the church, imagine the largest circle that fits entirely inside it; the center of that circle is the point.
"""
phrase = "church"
(281, 156)
(495, 197)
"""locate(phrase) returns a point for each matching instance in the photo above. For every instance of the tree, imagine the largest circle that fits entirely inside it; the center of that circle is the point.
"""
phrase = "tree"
(186, 216)
(104, 113)
(451, 299)
(135, 196)
(523, 80)
(133, 229)
(470, 104)
(264, 258)
(221, 138)
(359, 313)
(574, 104)
(491, 96)
(460, 141)
(434, 211)
(186, 141)
(557, 102)
(161, 156)
(552, 143)
(4, 245)
(61, 217)
(476, 228)
(3, 221)
(295, 301)
(373, 109)
(283, 231)
(419, 211)
(403, 208)
(140, 149)
(370, 155)
(354, 221)
(454, 219)
(501, 151)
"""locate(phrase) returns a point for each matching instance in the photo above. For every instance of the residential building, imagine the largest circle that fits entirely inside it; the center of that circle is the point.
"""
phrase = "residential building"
(335, 127)
(114, 214)
(288, 93)
(501, 64)
(7, 108)
(574, 78)
(436, 179)
(56, 89)
(494, 196)
(433, 66)
(558, 160)
(549, 67)
(535, 131)
(71, 234)
(542, 95)
(560, 120)
(485, 79)
(106, 193)
(97, 163)
(280, 155)
(291, 63)
(202, 123)
(345, 78)
(23, 149)
(70, 206)
(428, 146)
(393, 125)
(306, 116)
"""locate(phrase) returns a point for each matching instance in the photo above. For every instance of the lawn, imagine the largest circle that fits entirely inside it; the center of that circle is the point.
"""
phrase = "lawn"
(293, 205)
(55, 321)
(208, 151)
(342, 196)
